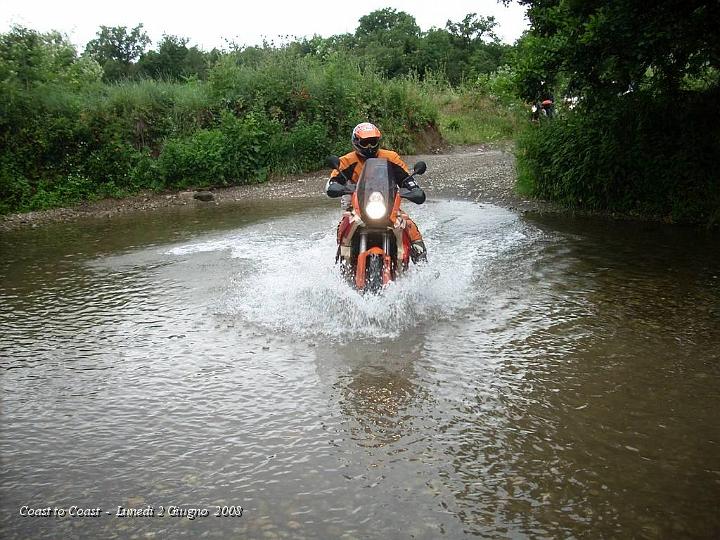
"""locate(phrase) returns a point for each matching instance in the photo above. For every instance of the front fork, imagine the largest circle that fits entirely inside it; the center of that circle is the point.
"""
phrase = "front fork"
(363, 242)
(388, 274)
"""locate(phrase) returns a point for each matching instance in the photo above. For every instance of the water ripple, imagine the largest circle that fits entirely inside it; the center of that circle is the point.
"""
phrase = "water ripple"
(531, 381)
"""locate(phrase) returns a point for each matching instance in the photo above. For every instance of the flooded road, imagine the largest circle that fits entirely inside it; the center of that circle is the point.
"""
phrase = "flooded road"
(540, 377)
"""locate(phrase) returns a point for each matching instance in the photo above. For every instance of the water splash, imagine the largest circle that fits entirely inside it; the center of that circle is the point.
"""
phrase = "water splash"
(292, 285)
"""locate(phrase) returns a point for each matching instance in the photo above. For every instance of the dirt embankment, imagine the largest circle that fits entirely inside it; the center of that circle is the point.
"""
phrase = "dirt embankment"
(476, 173)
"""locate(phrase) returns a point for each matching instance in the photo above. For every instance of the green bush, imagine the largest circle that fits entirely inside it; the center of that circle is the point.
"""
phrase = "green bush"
(245, 154)
(232, 153)
(67, 137)
(195, 160)
(62, 192)
(303, 148)
(499, 84)
(638, 155)
(15, 189)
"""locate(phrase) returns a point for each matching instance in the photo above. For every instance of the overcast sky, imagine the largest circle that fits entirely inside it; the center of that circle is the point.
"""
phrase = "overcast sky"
(208, 23)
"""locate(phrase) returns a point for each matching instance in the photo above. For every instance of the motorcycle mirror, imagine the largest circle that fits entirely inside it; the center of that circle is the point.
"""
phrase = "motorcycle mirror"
(333, 162)
(416, 195)
(420, 167)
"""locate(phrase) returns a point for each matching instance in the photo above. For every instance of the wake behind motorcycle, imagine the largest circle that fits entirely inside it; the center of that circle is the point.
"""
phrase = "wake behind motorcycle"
(373, 247)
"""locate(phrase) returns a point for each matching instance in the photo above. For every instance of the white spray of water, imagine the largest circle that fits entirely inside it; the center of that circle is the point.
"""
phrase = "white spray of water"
(292, 285)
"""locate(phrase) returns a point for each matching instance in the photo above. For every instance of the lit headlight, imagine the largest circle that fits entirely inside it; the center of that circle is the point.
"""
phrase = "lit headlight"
(375, 208)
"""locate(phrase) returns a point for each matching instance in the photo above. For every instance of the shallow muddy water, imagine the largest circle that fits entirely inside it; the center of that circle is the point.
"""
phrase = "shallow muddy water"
(540, 377)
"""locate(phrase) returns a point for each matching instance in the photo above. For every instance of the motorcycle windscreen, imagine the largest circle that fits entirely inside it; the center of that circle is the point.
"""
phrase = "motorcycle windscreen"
(376, 175)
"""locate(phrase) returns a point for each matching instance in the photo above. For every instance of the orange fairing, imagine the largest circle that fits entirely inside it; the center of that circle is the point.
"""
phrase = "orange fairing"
(356, 204)
(362, 261)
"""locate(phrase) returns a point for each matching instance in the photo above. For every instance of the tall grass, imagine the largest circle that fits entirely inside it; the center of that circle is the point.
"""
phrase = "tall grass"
(481, 111)
(281, 113)
(472, 117)
(274, 112)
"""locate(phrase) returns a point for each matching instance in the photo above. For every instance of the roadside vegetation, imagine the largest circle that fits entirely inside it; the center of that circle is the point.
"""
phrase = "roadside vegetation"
(642, 137)
(118, 119)
(484, 111)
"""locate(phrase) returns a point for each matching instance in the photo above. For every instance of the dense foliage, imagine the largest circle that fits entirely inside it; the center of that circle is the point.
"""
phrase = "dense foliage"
(119, 118)
(637, 92)
(645, 133)
(387, 40)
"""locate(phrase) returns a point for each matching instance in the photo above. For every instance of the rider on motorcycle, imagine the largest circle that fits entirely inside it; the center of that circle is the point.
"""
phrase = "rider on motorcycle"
(366, 144)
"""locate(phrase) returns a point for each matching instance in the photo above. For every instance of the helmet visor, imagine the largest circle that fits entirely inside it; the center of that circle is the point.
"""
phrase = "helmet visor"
(369, 143)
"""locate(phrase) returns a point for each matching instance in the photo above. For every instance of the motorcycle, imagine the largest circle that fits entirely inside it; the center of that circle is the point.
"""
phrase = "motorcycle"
(542, 109)
(373, 246)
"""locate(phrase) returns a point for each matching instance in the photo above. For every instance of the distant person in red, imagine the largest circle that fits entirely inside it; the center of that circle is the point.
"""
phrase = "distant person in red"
(366, 144)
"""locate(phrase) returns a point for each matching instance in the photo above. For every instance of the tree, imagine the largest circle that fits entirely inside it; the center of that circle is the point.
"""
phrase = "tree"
(392, 26)
(389, 38)
(28, 58)
(115, 49)
(645, 133)
(607, 48)
(461, 50)
(472, 30)
(174, 60)
(437, 54)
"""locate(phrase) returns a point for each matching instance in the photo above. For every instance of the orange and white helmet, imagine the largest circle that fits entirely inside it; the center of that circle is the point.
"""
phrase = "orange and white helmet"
(366, 139)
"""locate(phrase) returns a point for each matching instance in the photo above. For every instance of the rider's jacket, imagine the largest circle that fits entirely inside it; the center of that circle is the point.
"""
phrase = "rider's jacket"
(352, 164)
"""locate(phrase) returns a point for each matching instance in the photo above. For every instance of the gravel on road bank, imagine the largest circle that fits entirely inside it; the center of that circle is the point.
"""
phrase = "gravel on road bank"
(476, 173)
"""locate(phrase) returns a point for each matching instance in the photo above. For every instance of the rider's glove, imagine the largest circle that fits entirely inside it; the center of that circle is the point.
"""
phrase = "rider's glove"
(333, 180)
(410, 184)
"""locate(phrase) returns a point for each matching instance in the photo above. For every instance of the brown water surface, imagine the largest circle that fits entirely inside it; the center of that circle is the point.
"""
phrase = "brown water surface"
(540, 377)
